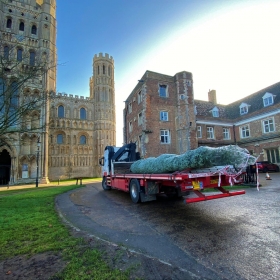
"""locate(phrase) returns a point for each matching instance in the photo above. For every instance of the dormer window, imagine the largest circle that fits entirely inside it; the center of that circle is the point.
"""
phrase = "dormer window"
(244, 108)
(268, 99)
(215, 112)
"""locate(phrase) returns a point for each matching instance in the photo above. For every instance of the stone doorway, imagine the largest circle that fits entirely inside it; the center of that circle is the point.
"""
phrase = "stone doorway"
(5, 167)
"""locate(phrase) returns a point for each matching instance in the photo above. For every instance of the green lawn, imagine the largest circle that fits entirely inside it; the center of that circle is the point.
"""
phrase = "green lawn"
(30, 225)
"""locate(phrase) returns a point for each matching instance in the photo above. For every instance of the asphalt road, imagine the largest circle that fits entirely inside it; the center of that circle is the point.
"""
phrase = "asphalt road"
(229, 238)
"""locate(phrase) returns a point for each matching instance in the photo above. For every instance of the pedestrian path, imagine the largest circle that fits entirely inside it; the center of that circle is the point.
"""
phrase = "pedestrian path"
(51, 184)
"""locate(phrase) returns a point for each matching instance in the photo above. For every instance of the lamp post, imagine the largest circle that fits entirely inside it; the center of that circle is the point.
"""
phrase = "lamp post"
(37, 171)
(12, 177)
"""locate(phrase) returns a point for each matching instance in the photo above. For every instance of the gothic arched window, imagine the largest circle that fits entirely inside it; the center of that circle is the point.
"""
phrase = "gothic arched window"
(13, 105)
(6, 52)
(83, 140)
(2, 100)
(9, 23)
(32, 58)
(34, 29)
(19, 54)
(21, 26)
(60, 111)
(83, 114)
(59, 139)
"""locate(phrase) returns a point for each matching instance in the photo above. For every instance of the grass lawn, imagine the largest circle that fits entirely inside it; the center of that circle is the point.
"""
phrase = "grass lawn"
(30, 225)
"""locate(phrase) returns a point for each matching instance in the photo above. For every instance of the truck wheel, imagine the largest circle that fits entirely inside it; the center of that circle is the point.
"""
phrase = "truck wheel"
(134, 190)
(104, 184)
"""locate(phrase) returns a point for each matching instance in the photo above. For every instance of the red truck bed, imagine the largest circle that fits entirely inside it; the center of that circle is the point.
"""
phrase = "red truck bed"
(184, 182)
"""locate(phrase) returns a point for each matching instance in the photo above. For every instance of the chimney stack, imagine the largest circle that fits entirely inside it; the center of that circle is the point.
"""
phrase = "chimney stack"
(212, 96)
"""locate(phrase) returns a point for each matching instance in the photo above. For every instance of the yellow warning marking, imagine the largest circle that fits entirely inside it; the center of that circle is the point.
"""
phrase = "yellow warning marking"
(196, 185)
(212, 182)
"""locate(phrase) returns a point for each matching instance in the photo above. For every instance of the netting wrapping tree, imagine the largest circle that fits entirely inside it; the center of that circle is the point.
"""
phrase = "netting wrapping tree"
(202, 157)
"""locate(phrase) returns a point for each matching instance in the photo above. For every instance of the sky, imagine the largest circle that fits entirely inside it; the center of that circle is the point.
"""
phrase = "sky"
(232, 46)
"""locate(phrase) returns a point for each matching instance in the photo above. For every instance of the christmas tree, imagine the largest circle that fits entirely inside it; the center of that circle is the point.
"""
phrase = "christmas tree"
(202, 157)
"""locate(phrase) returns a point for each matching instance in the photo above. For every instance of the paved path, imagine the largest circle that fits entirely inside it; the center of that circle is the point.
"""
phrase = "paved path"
(108, 215)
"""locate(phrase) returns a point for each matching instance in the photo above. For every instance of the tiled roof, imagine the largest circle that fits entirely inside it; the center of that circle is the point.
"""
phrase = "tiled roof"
(232, 111)
(255, 101)
(204, 108)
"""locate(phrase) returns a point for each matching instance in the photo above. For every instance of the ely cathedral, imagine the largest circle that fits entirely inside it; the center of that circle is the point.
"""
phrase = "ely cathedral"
(73, 130)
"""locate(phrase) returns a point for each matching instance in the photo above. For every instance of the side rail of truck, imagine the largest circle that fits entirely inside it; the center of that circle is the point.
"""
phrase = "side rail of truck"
(145, 187)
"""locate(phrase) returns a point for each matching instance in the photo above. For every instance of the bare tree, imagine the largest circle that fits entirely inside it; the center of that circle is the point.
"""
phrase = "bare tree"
(23, 93)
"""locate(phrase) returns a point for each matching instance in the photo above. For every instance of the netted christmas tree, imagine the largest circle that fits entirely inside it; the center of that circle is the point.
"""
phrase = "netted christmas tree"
(202, 157)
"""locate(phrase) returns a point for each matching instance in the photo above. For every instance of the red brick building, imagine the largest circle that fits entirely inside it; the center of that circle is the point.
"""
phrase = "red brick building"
(252, 122)
(159, 114)
(162, 116)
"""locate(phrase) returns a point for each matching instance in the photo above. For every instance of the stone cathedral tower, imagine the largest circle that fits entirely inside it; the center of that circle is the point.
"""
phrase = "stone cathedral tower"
(28, 33)
(102, 92)
(74, 129)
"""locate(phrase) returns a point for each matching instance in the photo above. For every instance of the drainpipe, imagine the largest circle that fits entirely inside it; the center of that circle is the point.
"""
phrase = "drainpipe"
(234, 136)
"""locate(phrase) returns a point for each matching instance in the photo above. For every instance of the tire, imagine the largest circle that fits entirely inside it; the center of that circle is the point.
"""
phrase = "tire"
(277, 169)
(104, 184)
(134, 190)
(265, 170)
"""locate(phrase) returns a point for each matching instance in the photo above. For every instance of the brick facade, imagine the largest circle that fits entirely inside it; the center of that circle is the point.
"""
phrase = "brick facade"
(257, 128)
(165, 105)
(192, 123)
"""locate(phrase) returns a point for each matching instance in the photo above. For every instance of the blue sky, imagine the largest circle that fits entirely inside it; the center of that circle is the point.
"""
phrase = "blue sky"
(231, 46)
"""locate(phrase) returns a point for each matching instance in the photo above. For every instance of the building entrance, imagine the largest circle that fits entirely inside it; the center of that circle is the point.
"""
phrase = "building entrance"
(5, 167)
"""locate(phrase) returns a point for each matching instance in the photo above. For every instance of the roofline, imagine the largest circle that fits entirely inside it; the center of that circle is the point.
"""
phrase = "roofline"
(261, 116)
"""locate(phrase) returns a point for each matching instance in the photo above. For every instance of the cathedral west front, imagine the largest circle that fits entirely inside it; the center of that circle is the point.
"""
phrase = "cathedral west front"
(66, 136)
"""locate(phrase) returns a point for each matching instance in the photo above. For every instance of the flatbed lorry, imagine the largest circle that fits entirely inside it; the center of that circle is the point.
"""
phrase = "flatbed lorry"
(116, 174)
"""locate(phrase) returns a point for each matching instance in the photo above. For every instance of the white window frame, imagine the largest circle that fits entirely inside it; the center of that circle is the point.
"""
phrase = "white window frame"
(226, 133)
(199, 131)
(244, 108)
(140, 118)
(165, 136)
(215, 112)
(166, 90)
(140, 97)
(130, 126)
(195, 110)
(139, 143)
(210, 132)
(268, 99)
(163, 116)
(130, 107)
(245, 131)
(268, 125)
